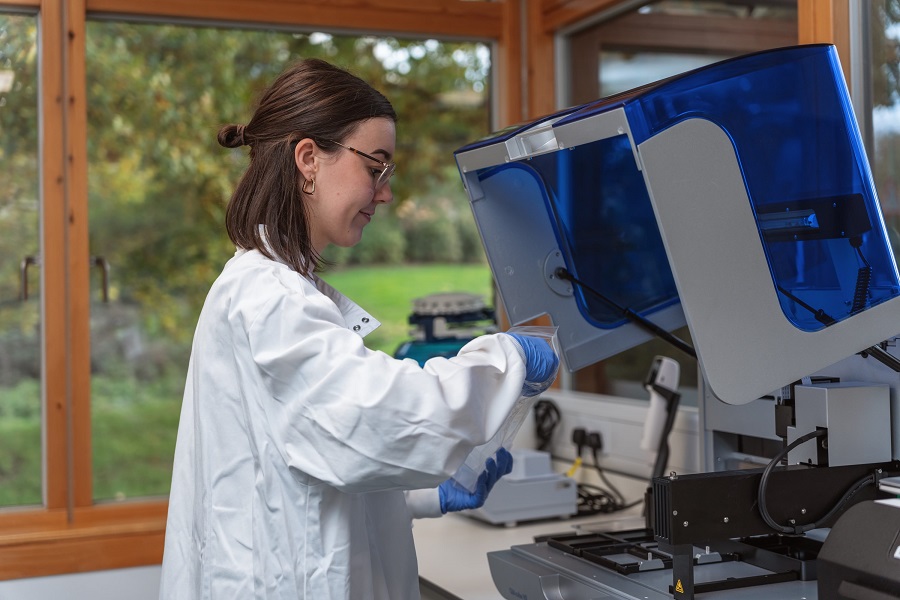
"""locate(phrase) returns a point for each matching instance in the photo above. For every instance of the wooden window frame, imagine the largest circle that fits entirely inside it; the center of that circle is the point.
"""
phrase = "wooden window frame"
(70, 533)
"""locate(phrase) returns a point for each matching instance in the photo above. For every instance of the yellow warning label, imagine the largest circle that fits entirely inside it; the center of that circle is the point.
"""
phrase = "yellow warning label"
(678, 587)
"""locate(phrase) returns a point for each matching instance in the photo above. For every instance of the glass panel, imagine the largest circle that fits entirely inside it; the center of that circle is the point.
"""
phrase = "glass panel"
(622, 70)
(622, 65)
(884, 97)
(604, 224)
(159, 183)
(801, 155)
(739, 9)
(20, 325)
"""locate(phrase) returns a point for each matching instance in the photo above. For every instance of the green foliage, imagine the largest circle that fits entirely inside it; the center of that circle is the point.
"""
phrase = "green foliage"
(22, 400)
(382, 243)
(20, 443)
(20, 461)
(19, 173)
(432, 239)
(134, 425)
(470, 242)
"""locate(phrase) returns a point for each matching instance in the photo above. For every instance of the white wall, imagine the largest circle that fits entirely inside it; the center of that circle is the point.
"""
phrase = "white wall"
(620, 421)
(139, 583)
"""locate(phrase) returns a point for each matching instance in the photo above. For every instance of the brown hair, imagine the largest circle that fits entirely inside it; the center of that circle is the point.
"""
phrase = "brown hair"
(310, 99)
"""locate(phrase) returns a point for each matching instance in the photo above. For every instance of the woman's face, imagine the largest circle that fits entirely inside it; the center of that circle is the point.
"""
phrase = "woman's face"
(345, 196)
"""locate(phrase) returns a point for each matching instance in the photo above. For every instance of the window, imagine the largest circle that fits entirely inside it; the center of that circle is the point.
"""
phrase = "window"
(20, 283)
(159, 183)
(881, 94)
(111, 217)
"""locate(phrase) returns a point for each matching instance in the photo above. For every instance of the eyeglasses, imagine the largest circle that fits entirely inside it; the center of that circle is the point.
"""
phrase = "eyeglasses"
(383, 176)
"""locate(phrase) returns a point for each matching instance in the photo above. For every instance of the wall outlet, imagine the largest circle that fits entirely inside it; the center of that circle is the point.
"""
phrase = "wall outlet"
(620, 423)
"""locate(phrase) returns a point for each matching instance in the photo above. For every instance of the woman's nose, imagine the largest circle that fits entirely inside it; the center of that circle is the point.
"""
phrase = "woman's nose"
(384, 195)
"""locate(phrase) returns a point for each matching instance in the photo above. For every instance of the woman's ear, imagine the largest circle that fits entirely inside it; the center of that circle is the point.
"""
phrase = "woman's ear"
(305, 157)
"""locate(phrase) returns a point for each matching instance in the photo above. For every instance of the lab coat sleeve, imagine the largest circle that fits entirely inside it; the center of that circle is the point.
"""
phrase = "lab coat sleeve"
(360, 420)
(424, 503)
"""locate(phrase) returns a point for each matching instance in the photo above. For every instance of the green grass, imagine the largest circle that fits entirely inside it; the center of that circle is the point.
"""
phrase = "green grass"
(387, 293)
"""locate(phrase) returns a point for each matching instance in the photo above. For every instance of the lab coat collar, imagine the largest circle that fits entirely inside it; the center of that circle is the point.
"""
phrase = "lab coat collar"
(357, 319)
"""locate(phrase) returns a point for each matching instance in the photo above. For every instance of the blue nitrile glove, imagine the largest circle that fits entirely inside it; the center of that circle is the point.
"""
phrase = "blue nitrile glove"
(541, 363)
(455, 497)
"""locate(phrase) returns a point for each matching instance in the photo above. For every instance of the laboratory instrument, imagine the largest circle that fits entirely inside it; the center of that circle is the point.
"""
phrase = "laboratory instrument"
(735, 199)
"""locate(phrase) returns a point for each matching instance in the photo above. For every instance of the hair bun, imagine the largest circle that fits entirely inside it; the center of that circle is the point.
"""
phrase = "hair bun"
(231, 136)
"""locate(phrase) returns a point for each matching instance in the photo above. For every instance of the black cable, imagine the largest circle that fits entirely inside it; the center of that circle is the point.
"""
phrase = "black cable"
(615, 492)
(637, 319)
(821, 316)
(546, 418)
(764, 483)
(593, 499)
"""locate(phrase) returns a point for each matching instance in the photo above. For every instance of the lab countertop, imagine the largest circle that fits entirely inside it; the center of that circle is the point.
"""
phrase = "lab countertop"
(452, 550)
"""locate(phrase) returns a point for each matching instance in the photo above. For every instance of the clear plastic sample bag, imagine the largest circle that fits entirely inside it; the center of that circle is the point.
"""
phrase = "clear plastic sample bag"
(467, 475)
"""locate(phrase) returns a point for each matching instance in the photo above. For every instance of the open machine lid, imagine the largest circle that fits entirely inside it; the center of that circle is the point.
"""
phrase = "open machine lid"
(586, 209)
(736, 197)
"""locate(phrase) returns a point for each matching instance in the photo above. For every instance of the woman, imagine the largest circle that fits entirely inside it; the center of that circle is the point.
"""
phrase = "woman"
(302, 456)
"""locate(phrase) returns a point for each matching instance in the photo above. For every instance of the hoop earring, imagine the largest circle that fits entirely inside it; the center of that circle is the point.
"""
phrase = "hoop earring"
(310, 191)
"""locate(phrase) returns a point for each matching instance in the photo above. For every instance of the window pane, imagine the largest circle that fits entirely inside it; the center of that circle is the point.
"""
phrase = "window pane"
(884, 94)
(625, 70)
(20, 344)
(159, 183)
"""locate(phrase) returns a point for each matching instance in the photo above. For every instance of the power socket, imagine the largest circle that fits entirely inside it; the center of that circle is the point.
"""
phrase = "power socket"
(618, 424)
(595, 441)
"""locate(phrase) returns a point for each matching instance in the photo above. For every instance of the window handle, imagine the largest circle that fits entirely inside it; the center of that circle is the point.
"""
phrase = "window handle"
(28, 261)
(103, 264)
(23, 270)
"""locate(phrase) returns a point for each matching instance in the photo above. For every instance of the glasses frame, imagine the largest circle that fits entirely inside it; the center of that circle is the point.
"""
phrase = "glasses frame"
(386, 173)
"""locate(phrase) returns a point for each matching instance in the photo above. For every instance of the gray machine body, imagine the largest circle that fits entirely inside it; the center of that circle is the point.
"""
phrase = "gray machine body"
(711, 243)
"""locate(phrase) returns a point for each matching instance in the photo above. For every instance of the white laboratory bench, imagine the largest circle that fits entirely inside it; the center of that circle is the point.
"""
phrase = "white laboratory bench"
(452, 550)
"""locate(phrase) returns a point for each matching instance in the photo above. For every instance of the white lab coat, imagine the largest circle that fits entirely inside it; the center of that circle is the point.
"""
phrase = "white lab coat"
(296, 443)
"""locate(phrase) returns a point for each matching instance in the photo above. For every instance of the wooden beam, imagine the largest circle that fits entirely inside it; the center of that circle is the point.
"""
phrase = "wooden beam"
(826, 22)
(81, 550)
(557, 14)
(815, 21)
(18, 3)
(78, 259)
(53, 257)
(510, 62)
(38, 543)
(541, 82)
(472, 20)
(713, 33)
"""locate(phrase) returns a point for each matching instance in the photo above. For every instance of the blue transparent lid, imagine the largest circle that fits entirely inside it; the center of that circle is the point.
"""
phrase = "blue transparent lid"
(790, 120)
(598, 203)
(792, 125)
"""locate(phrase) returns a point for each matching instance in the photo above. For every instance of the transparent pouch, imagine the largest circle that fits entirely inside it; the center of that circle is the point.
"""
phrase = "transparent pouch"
(467, 474)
